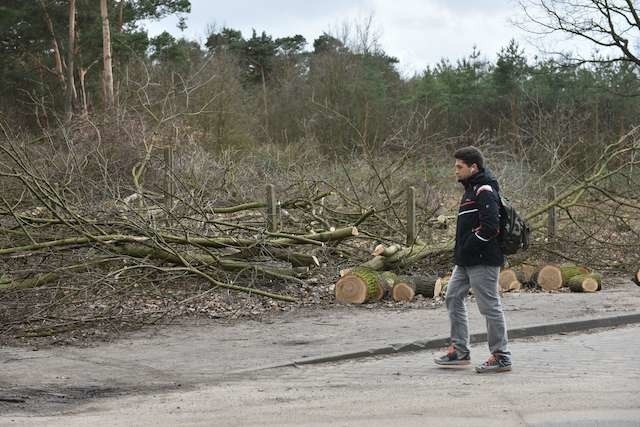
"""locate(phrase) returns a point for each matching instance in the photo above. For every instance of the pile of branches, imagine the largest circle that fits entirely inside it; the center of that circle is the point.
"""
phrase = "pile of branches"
(115, 259)
(140, 239)
(80, 250)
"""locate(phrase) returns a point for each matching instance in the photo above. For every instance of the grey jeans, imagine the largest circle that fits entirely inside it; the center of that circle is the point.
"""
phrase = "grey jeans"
(483, 279)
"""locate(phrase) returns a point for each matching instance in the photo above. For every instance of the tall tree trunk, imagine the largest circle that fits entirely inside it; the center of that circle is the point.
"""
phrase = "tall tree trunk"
(266, 105)
(70, 66)
(82, 71)
(107, 73)
(121, 16)
(56, 48)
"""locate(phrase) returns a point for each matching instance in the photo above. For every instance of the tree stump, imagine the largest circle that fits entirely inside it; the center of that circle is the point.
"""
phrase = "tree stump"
(548, 277)
(591, 282)
(359, 286)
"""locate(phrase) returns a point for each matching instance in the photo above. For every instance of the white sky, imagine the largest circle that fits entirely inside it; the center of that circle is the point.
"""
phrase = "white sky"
(417, 32)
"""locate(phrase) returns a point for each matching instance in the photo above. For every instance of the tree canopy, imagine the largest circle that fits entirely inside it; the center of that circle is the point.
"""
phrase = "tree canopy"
(329, 90)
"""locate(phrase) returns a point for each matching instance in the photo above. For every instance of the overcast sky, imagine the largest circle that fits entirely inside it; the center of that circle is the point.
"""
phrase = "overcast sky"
(417, 32)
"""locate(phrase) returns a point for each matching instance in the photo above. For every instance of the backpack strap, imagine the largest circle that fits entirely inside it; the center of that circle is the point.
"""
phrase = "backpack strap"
(482, 188)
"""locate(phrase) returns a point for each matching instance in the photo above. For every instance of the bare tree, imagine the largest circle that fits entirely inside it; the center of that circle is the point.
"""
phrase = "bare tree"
(610, 24)
(70, 53)
(361, 35)
(54, 43)
(107, 73)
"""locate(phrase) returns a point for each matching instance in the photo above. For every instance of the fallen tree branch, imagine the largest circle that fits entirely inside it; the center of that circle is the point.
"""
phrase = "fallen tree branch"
(189, 257)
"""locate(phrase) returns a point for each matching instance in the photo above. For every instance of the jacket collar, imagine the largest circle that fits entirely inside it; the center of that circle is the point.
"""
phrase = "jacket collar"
(484, 176)
(476, 178)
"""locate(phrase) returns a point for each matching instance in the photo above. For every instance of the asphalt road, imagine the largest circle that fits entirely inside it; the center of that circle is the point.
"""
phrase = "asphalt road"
(575, 380)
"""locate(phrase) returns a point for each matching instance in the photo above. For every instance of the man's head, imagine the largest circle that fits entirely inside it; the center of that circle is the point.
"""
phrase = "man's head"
(469, 161)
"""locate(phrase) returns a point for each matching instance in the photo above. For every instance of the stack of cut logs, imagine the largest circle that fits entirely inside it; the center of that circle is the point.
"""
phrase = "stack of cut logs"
(550, 277)
(362, 284)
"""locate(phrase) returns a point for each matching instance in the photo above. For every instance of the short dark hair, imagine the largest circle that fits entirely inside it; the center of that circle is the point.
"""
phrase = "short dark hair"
(470, 155)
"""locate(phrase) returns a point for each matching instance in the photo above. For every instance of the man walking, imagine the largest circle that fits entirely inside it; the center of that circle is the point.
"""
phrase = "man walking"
(478, 259)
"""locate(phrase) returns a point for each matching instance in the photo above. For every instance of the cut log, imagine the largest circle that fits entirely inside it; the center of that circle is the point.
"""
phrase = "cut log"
(525, 273)
(388, 278)
(516, 285)
(404, 289)
(585, 282)
(391, 250)
(428, 286)
(407, 287)
(508, 280)
(442, 283)
(403, 257)
(378, 250)
(359, 286)
(548, 277)
(296, 259)
(382, 250)
(571, 270)
(636, 278)
(217, 242)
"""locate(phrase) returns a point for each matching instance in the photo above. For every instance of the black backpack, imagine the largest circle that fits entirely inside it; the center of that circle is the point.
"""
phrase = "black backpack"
(514, 231)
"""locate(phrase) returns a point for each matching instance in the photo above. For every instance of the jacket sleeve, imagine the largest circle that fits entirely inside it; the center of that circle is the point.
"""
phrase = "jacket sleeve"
(488, 213)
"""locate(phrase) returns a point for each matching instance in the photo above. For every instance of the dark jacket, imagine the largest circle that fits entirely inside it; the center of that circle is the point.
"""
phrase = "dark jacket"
(478, 222)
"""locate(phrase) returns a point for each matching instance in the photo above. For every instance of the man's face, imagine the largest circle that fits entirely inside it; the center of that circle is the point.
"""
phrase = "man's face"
(464, 171)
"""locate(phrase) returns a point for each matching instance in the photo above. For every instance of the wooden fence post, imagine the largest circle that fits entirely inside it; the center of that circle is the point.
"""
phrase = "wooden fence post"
(552, 221)
(169, 187)
(272, 209)
(411, 215)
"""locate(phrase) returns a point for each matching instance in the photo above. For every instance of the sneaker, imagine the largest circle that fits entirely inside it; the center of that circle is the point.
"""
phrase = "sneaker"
(452, 359)
(495, 363)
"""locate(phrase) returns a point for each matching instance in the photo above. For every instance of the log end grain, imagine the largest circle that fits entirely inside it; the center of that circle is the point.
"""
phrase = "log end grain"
(585, 283)
(590, 285)
(549, 278)
(442, 283)
(506, 277)
(437, 289)
(515, 285)
(402, 292)
(378, 250)
(360, 285)
(572, 270)
(351, 289)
